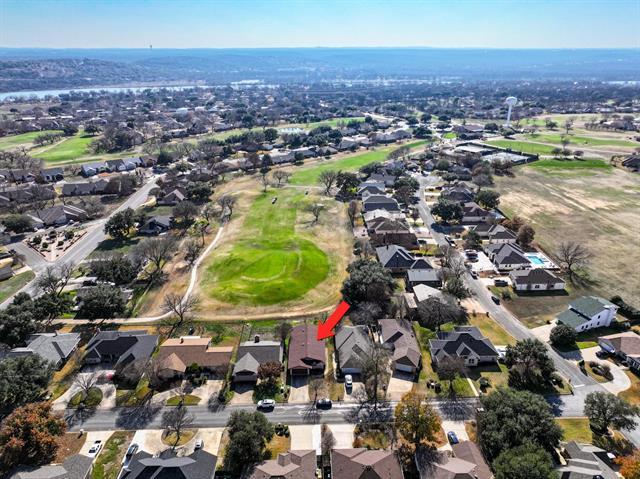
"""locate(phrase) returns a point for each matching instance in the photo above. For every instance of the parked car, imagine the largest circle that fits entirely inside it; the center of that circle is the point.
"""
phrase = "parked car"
(133, 448)
(453, 439)
(266, 404)
(348, 381)
(323, 403)
(199, 444)
(95, 449)
(495, 299)
(474, 274)
(602, 354)
(500, 282)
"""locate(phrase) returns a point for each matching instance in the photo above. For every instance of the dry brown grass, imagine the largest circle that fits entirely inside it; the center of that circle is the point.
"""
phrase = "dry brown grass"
(69, 444)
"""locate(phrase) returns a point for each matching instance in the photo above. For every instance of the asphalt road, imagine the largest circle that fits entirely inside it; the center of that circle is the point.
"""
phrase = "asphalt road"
(85, 246)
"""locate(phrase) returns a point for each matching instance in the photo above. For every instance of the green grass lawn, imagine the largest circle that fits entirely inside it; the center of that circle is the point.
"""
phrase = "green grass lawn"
(632, 395)
(66, 151)
(11, 286)
(491, 329)
(497, 374)
(24, 139)
(310, 176)
(556, 164)
(450, 135)
(111, 245)
(523, 146)
(107, 465)
(189, 400)
(89, 400)
(575, 429)
(581, 140)
(271, 263)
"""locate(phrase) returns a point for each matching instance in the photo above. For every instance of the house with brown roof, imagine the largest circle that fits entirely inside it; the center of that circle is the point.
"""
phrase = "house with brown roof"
(467, 462)
(290, 465)
(361, 463)
(177, 354)
(306, 354)
(383, 231)
(398, 336)
(624, 345)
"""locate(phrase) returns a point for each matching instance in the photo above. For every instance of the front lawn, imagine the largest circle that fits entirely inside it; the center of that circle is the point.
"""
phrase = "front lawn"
(188, 400)
(185, 436)
(266, 390)
(632, 395)
(80, 399)
(107, 465)
(11, 286)
(491, 329)
(277, 445)
(111, 245)
(496, 374)
(134, 397)
(575, 429)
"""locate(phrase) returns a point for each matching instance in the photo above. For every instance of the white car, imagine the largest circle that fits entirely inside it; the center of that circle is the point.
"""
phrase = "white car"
(95, 449)
(348, 381)
(199, 444)
(266, 404)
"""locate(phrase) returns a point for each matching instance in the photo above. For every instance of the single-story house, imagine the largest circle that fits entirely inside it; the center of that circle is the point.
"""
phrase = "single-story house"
(379, 202)
(55, 348)
(352, 342)
(395, 258)
(585, 461)
(364, 463)
(171, 198)
(306, 354)
(373, 214)
(398, 336)
(423, 292)
(58, 215)
(536, 279)
(156, 225)
(507, 256)
(472, 212)
(76, 466)
(120, 347)
(84, 188)
(251, 354)
(51, 175)
(457, 193)
(175, 355)
(198, 465)
(499, 234)
(92, 169)
(427, 276)
(299, 464)
(388, 180)
(624, 345)
(588, 312)
(466, 342)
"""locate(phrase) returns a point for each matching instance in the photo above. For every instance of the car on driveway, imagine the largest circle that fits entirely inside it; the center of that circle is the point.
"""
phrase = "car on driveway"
(453, 439)
(266, 404)
(199, 444)
(132, 449)
(95, 449)
(474, 274)
(500, 282)
(323, 403)
(348, 381)
(602, 354)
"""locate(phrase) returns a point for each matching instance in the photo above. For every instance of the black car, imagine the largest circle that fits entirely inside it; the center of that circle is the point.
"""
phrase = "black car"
(323, 403)
(602, 354)
(495, 299)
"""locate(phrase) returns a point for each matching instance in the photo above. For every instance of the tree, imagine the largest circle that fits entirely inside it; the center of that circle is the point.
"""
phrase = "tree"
(249, 433)
(282, 330)
(449, 369)
(416, 419)
(472, 240)
(315, 386)
(530, 366)
(448, 211)
(120, 223)
(86, 382)
(366, 313)
(315, 209)
(630, 465)
(606, 410)
(192, 251)
(156, 252)
(514, 224)
(281, 176)
(92, 129)
(227, 202)
(528, 461)
(488, 198)
(433, 312)
(498, 431)
(563, 335)
(264, 179)
(571, 256)
(347, 183)
(102, 302)
(374, 364)
(18, 223)
(352, 210)
(23, 380)
(117, 268)
(185, 212)
(269, 372)
(16, 324)
(327, 443)
(525, 235)
(199, 192)
(29, 436)
(176, 420)
(179, 307)
(368, 281)
(54, 279)
(328, 179)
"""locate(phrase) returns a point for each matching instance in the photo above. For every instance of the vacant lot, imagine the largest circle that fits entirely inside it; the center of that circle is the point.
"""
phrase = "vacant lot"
(274, 253)
(524, 146)
(595, 207)
(25, 139)
(309, 176)
(582, 140)
(66, 151)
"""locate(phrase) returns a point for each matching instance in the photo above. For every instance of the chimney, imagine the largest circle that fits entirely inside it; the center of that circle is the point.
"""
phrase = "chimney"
(256, 338)
(284, 459)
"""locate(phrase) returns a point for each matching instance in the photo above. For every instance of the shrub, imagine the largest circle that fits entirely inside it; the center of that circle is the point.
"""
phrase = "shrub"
(37, 239)
(562, 335)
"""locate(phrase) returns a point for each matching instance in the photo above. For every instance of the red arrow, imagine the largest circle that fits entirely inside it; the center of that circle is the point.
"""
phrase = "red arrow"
(325, 330)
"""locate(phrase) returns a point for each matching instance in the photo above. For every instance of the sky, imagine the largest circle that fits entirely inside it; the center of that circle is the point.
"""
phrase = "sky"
(313, 23)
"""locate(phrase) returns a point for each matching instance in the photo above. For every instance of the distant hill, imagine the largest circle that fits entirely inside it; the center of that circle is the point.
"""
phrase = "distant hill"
(24, 69)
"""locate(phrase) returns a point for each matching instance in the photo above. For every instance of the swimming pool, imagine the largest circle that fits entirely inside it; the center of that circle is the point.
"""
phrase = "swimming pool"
(535, 259)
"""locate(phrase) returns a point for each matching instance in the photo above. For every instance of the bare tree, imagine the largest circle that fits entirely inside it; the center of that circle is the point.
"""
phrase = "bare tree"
(327, 443)
(352, 210)
(179, 307)
(315, 209)
(572, 255)
(449, 369)
(315, 386)
(86, 382)
(192, 251)
(281, 176)
(328, 179)
(264, 179)
(177, 420)
(54, 279)
(157, 252)
(209, 212)
(364, 245)
(375, 376)
(227, 202)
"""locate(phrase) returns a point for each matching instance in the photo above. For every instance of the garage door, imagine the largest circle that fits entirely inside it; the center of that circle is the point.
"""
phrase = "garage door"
(404, 368)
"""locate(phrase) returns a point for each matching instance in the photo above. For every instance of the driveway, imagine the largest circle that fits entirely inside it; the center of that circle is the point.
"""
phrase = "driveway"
(208, 389)
(399, 384)
(543, 332)
(350, 395)
(150, 440)
(343, 434)
(299, 391)
(108, 395)
(243, 394)
(306, 437)
(210, 436)
(620, 381)
(458, 428)
(93, 436)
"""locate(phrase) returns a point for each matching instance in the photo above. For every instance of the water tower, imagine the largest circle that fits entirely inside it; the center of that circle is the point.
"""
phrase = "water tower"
(510, 102)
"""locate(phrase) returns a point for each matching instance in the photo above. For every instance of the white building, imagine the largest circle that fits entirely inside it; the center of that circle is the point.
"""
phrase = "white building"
(588, 312)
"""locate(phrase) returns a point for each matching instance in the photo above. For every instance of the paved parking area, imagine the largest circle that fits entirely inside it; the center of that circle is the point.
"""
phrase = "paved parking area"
(305, 436)
(399, 384)
(543, 332)
(483, 263)
(351, 394)
(620, 381)
(93, 436)
(210, 436)
(243, 394)
(343, 434)
(299, 391)
(458, 428)
(208, 389)
(149, 440)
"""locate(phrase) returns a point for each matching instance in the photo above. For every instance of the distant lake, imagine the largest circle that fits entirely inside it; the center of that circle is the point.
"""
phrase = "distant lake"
(44, 93)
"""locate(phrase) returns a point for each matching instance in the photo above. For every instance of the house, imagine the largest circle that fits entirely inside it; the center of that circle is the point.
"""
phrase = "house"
(120, 347)
(465, 342)
(306, 354)
(84, 188)
(472, 212)
(624, 345)
(75, 466)
(467, 462)
(352, 342)
(536, 279)
(198, 465)
(498, 234)
(395, 258)
(51, 175)
(458, 193)
(470, 452)
(290, 465)
(386, 179)
(92, 169)
(379, 202)
(397, 335)
(373, 214)
(58, 215)
(588, 312)
(507, 256)
(383, 231)
(585, 461)
(422, 292)
(156, 225)
(361, 463)
(251, 354)
(171, 198)
(53, 347)
(175, 355)
(427, 276)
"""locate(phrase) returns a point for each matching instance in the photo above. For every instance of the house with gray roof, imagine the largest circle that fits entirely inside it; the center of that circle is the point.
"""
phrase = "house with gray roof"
(58, 215)
(379, 202)
(428, 276)
(352, 342)
(536, 279)
(75, 466)
(156, 225)
(466, 342)
(92, 169)
(55, 348)
(120, 347)
(585, 461)
(398, 336)
(507, 256)
(500, 234)
(251, 354)
(588, 312)
(198, 465)
(395, 258)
